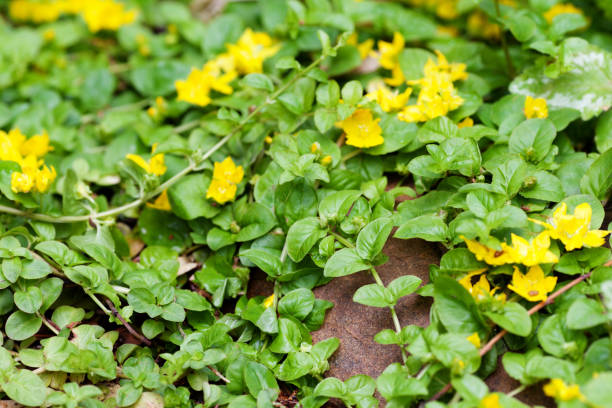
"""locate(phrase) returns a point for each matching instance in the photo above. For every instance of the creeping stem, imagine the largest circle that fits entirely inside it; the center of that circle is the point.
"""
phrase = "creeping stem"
(168, 183)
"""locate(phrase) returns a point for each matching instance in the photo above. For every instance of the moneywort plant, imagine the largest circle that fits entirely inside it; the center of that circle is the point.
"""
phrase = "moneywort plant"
(153, 155)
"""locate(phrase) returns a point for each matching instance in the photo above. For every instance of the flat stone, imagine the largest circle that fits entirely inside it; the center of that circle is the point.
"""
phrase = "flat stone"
(356, 325)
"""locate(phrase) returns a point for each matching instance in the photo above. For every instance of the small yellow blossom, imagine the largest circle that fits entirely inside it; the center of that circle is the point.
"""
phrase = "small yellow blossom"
(535, 108)
(573, 230)
(533, 286)
(490, 401)
(161, 202)
(530, 253)
(474, 339)
(561, 8)
(389, 51)
(489, 255)
(28, 153)
(155, 165)
(326, 160)
(448, 31)
(559, 390)
(438, 95)
(49, 34)
(364, 48)
(447, 9)
(268, 140)
(215, 75)
(251, 50)
(106, 15)
(268, 302)
(226, 176)
(389, 100)
(478, 25)
(152, 112)
(467, 122)
(481, 289)
(315, 147)
(361, 129)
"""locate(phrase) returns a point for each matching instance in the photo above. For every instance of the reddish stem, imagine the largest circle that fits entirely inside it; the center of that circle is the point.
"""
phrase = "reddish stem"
(487, 347)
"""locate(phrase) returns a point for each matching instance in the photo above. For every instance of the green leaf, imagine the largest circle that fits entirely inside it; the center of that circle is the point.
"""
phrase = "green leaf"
(373, 295)
(585, 313)
(259, 81)
(29, 300)
(532, 139)
(583, 82)
(373, 237)
(188, 197)
(157, 78)
(403, 286)
(513, 317)
(456, 308)
(428, 227)
(297, 303)
(20, 326)
(598, 178)
(26, 388)
(344, 262)
(450, 348)
(302, 236)
(335, 206)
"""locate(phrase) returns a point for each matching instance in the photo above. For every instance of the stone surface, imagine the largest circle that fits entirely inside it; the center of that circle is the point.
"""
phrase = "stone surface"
(355, 325)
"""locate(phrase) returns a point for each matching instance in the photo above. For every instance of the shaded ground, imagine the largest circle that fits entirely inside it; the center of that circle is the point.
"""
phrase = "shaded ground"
(355, 325)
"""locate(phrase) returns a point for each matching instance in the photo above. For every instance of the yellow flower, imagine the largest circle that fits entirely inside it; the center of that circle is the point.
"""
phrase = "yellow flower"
(490, 401)
(226, 176)
(533, 286)
(467, 122)
(251, 50)
(22, 182)
(557, 389)
(447, 9)
(326, 160)
(364, 49)
(387, 99)
(269, 301)
(315, 147)
(561, 8)
(535, 108)
(221, 191)
(227, 170)
(361, 129)
(438, 95)
(49, 34)
(268, 140)
(44, 178)
(215, 75)
(37, 145)
(448, 31)
(161, 202)
(106, 15)
(481, 289)
(489, 255)
(388, 52)
(478, 25)
(474, 339)
(155, 165)
(573, 230)
(530, 253)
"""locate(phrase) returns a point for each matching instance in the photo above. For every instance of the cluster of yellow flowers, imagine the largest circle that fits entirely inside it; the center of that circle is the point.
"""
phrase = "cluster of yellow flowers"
(155, 165)
(571, 229)
(28, 153)
(561, 8)
(224, 184)
(98, 14)
(364, 48)
(437, 95)
(445, 9)
(559, 390)
(244, 57)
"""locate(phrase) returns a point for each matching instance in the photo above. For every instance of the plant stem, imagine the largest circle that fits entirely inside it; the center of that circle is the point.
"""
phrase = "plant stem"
(343, 240)
(192, 166)
(351, 155)
(97, 302)
(517, 390)
(487, 347)
(502, 35)
(47, 323)
(129, 328)
(130, 106)
(186, 126)
(396, 322)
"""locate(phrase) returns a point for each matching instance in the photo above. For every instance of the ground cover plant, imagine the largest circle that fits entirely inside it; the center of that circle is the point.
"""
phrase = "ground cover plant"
(153, 154)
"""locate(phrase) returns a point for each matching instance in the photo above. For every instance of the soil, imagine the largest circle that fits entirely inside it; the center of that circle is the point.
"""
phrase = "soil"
(355, 325)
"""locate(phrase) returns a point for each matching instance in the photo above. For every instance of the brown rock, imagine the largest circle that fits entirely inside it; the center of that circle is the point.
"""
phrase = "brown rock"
(355, 325)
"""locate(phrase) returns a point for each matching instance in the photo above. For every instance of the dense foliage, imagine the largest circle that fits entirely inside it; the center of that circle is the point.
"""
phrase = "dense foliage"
(151, 160)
